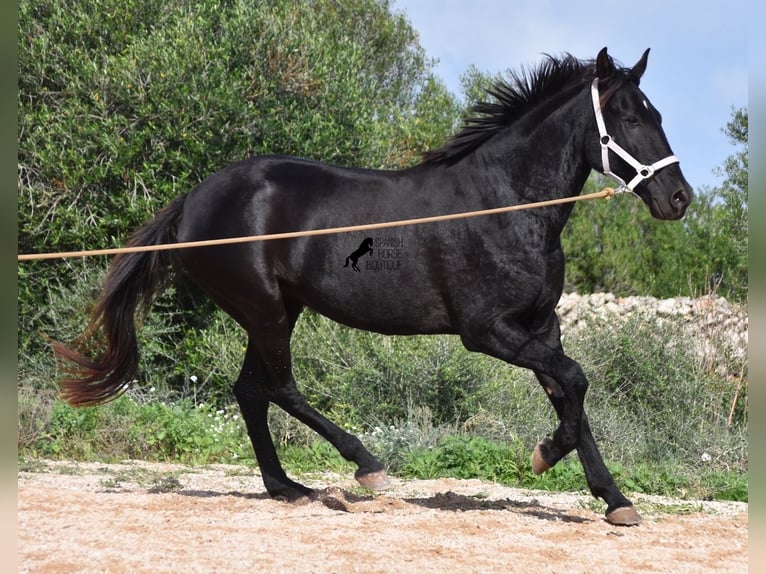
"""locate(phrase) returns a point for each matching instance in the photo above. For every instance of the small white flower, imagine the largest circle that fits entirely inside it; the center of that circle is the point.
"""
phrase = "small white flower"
(193, 378)
(151, 390)
(706, 457)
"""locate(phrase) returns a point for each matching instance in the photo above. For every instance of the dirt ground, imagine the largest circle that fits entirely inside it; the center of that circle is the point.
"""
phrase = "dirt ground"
(142, 517)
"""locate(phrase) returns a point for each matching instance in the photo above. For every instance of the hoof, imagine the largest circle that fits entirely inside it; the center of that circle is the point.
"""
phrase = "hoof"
(289, 491)
(374, 480)
(624, 516)
(539, 465)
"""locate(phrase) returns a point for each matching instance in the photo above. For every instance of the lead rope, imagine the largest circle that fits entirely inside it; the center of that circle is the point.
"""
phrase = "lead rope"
(605, 193)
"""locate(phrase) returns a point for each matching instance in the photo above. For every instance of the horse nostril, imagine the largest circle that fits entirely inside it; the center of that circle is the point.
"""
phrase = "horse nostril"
(680, 198)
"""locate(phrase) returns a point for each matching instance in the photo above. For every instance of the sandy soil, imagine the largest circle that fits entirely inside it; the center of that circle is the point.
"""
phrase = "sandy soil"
(142, 517)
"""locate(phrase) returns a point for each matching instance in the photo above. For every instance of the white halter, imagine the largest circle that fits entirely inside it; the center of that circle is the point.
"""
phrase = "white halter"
(607, 143)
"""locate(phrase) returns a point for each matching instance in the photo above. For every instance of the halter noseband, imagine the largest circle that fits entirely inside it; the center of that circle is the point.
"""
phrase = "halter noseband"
(607, 143)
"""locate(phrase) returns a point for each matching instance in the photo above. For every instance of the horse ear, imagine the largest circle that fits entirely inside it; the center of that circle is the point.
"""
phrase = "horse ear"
(604, 65)
(640, 67)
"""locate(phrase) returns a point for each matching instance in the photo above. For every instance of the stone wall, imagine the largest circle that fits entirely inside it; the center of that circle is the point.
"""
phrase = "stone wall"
(715, 325)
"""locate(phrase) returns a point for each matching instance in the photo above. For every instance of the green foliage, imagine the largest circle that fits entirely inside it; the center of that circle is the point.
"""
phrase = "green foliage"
(130, 427)
(351, 374)
(470, 457)
(460, 456)
(318, 456)
(735, 169)
(126, 104)
(732, 196)
(674, 423)
(616, 246)
(653, 399)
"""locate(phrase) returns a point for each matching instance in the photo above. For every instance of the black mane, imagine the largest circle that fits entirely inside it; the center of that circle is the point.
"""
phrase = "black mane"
(511, 99)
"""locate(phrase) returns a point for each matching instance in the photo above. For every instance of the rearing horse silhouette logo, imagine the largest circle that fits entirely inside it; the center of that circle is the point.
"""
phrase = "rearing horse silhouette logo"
(364, 247)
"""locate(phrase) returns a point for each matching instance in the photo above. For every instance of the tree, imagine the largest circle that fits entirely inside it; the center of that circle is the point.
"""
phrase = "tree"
(125, 104)
(733, 196)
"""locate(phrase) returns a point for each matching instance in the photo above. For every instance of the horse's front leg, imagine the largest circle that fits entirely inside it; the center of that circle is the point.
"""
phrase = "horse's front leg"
(600, 481)
(566, 385)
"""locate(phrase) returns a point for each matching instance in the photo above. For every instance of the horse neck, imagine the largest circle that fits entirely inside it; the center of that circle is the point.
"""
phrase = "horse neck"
(542, 158)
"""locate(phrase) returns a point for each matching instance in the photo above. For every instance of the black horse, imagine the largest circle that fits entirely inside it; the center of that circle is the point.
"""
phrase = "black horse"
(364, 249)
(494, 280)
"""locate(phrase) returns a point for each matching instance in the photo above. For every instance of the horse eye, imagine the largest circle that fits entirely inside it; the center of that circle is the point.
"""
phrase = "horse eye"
(632, 121)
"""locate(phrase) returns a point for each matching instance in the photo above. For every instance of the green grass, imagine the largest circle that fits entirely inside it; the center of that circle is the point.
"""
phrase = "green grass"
(195, 434)
(316, 457)
(509, 464)
(464, 457)
(128, 428)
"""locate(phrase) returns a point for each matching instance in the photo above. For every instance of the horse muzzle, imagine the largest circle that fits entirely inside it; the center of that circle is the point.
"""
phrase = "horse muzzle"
(668, 206)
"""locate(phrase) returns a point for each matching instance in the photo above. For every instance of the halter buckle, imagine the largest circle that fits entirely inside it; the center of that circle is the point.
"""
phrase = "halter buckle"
(646, 171)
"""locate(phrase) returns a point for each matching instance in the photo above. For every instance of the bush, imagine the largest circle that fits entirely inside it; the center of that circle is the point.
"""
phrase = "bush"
(131, 427)
(363, 378)
(617, 247)
(652, 398)
(666, 422)
(126, 104)
(509, 463)
(470, 457)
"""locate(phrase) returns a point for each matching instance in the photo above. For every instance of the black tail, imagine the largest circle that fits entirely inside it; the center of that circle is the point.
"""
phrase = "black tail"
(132, 281)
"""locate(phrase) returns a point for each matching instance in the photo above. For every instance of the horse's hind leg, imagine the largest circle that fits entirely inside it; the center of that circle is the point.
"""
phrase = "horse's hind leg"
(271, 345)
(251, 393)
(370, 472)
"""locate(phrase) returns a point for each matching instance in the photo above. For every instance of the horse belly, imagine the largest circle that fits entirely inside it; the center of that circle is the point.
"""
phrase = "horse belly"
(381, 296)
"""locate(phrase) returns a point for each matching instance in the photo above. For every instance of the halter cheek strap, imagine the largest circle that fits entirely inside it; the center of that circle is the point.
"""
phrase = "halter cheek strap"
(607, 143)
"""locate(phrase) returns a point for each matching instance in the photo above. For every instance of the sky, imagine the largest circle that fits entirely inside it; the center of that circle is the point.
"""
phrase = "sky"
(698, 64)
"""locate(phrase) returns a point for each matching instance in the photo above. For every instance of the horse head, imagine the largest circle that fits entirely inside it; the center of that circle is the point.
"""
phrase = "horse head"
(631, 145)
